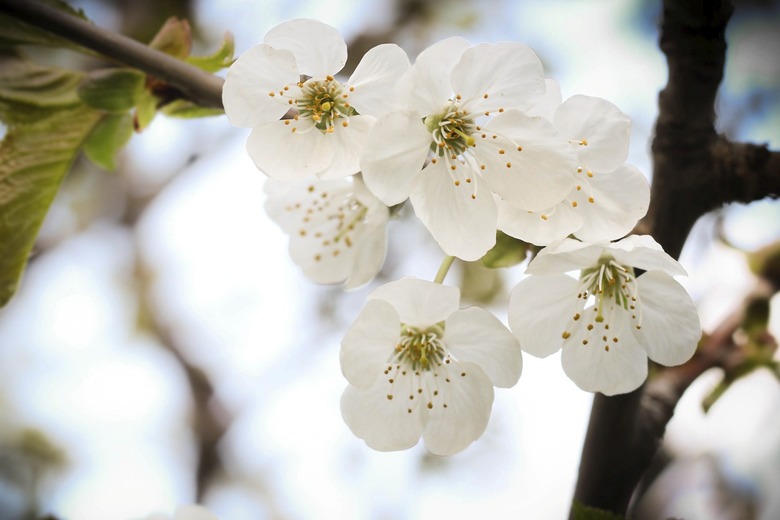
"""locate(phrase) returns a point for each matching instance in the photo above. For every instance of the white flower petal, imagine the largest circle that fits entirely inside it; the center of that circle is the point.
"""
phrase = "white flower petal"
(546, 105)
(474, 335)
(372, 85)
(426, 86)
(319, 49)
(419, 303)
(671, 328)
(618, 369)
(372, 242)
(369, 343)
(565, 255)
(394, 154)
(643, 252)
(529, 166)
(369, 257)
(348, 142)
(384, 424)
(620, 199)
(462, 226)
(602, 125)
(501, 75)
(251, 79)
(468, 395)
(282, 154)
(540, 227)
(539, 307)
(336, 228)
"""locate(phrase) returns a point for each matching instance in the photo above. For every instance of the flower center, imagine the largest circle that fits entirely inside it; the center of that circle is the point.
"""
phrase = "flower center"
(451, 130)
(606, 282)
(325, 102)
(609, 280)
(420, 349)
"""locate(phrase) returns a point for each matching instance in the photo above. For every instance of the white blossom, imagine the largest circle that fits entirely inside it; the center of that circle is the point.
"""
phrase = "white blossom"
(418, 366)
(609, 321)
(463, 109)
(608, 196)
(294, 69)
(337, 228)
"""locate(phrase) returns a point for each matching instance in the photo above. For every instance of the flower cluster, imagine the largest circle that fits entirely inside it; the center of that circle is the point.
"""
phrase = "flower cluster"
(477, 140)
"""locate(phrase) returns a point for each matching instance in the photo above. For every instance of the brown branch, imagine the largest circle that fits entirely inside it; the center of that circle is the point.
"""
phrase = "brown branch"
(625, 431)
(197, 85)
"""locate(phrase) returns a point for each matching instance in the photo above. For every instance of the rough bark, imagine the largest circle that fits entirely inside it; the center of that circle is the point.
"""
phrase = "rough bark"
(695, 171)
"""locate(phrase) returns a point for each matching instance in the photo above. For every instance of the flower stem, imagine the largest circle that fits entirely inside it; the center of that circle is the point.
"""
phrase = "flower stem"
(199, 86)
(445, 266)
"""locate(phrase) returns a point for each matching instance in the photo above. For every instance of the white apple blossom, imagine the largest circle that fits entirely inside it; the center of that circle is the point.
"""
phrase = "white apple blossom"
(608, 197)
(609, 321)
(185, 512)
(462, 107)
(337, 228)
(419, 366)
(294, 69)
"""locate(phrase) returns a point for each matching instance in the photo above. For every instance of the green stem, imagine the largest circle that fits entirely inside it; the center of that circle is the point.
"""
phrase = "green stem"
(445, 266)
(199, 86)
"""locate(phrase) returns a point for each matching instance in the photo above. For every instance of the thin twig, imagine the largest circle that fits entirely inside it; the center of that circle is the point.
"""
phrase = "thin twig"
(197, 85)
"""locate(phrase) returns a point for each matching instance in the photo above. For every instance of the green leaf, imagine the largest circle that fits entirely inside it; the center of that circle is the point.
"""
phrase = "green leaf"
(145, 110)
(28, 91)
(507, 252)
(186, 109)
(34, 159)
(221, 59)
(107, 138)
(112, 90)
(174, 38)
(15, 32)
(47, 125)
(583, 512)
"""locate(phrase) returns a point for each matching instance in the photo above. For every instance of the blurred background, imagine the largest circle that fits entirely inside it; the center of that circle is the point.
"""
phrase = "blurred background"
(163, 349)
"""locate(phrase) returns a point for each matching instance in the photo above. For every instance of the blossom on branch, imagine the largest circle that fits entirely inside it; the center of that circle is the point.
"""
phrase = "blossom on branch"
(419, 366)
(337, 228)
(609, 321)
(608, 196)
(462, 108)
(294, 70)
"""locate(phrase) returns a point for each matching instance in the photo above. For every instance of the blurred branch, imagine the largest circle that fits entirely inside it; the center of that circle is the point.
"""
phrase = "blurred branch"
(209, 425)
(201, 87)
(695, 171)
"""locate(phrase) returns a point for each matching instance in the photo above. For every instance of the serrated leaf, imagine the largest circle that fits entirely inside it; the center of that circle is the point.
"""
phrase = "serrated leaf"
(107, 138)
(174, 38)
(15, 32)
(583, 512)
(221, 59)
(34, 159)
(112, 90)
(186, 109)
(507, 252)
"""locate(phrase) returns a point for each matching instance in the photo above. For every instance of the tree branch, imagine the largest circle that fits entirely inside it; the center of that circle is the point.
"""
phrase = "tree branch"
(695, 171)
(197, 85)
